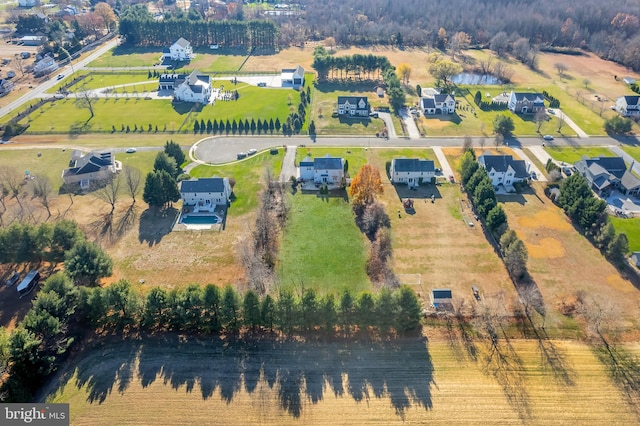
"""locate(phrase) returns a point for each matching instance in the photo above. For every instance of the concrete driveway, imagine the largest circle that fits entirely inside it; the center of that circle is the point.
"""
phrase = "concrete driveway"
(386, 117)
(410, 124)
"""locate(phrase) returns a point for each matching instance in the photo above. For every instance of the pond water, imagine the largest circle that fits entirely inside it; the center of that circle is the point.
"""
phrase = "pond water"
(475, 79)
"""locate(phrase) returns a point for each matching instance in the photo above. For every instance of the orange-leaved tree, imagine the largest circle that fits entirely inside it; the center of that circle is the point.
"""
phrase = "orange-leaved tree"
(365, 186)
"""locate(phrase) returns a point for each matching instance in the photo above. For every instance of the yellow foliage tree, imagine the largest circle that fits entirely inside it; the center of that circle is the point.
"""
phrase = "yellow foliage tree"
(365, 186)
(404, 72)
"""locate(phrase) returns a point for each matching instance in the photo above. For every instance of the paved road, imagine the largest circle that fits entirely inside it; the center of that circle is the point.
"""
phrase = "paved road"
(38, 91)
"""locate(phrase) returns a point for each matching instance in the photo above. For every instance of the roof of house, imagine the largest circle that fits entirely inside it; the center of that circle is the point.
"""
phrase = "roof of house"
(327, 163)
(501, 163)
(289, 72)
(182, 43)
(213, 184)
(89, 163)
(442, 97)
(530, 97)
(631, 99)
(443, 293)
(164, 78)
(306, 161)
(629, 181)
(412, 165)
(427, 103)
(353, 100)
(604, 165)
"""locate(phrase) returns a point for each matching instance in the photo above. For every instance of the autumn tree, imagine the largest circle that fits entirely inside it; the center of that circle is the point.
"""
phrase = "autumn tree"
(442, 70)
(365, 186)
(459, 42)
(104, 11)
(404, 72)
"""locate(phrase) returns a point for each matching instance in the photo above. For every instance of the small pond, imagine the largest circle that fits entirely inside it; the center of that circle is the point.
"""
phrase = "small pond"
(475, 79)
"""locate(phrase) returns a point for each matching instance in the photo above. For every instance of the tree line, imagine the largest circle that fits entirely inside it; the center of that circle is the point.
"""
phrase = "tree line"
(589, 213)
(479, 186)
(63, 310)
(138, 28)
(610, 29)
(357, 65)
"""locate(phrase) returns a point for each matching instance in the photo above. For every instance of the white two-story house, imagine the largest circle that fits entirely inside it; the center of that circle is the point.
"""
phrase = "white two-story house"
(323, 170)
(412, 171)
(504, 170)
(181, 50)
(195, 88)
(204, 194)
(628, 106)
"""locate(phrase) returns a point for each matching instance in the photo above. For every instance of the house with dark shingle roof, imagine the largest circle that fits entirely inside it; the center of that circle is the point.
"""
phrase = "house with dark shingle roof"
(628, 106)
(353, 106)
(181, 50)
(195, 88)
(427, 106)
(323, 170)
(504, 170)
(204, 194)
(433, 102)
(606, 174)
(412, 171)
(171, 81)
(523, 102)
(90, 170)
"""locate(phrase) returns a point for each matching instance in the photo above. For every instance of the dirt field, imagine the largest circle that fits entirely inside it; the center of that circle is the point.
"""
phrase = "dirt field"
(563, 262)
(411, 381)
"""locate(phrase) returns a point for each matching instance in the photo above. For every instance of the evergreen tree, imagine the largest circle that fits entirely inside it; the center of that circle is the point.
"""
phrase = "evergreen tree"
(86, 263)
(408, 318)
(229, 314)
(251, 310)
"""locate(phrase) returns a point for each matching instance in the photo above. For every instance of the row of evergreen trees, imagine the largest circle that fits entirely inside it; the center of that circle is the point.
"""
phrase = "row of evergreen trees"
(35, 347)
(138, 28)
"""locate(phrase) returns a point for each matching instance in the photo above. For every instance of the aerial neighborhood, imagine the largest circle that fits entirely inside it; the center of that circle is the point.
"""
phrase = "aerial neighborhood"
(229, 212)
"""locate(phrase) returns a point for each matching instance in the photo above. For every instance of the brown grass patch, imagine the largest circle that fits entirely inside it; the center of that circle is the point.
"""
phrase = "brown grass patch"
(552, 219)
(546, 248)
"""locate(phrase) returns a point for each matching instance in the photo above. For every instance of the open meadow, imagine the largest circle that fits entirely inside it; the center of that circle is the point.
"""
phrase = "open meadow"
(405, 381)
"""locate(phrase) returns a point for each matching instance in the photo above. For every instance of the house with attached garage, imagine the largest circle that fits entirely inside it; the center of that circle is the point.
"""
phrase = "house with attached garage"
(412, 171)
(606, 174)
(525, 102)
(171, 81)
(292, 77)
(90, 170)
(195, 88)
(353, 106)
(323, 170)
(504, 170)
(204, 194)
(181, 50)
(628, 106)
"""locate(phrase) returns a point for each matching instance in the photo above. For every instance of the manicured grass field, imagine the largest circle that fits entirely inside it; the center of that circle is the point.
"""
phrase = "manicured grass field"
(123, 56)
(633, 151)
(103, 80)
(321, 247)
(249, 174)
(631, 227)
(409, 381)
(571, 155)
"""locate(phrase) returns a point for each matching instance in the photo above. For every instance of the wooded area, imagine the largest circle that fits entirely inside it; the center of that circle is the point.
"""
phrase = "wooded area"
(606, 28)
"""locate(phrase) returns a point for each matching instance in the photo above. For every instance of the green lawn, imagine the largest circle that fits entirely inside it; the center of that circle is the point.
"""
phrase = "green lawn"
(633, 151)
(123, 56)
(253, 103)
(571, 155)
(631, 227)
(249, 174)
(100, 80)
(322, 248)
(388, 154)
(356, 157)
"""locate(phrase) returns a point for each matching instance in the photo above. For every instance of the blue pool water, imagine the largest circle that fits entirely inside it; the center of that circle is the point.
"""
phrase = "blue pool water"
(199, 220)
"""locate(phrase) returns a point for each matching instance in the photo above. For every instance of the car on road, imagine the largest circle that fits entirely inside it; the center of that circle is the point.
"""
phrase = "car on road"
(13, 279)
(373, 115)
(131, 150)
(452, 179)
(547, 137)
(252, 151)
(566, 170)
(60, 76)
(551, 111)
(241, 155)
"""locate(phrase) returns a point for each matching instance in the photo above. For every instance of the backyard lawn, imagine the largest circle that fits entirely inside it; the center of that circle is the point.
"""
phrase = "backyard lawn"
(631, 227)
(321, 247)
(571, 155)
(123, 56)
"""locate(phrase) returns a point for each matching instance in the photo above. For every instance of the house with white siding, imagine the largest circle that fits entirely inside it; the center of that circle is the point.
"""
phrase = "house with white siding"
(412, 171)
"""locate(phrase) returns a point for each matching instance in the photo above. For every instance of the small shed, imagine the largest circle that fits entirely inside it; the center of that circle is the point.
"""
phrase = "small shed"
(635, 258)
(629, 80)
(441, 298)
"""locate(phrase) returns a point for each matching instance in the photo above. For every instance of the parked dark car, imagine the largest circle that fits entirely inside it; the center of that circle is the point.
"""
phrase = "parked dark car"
(566, 170)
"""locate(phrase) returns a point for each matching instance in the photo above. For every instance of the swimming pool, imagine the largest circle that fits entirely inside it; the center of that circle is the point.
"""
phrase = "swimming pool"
(199, 220)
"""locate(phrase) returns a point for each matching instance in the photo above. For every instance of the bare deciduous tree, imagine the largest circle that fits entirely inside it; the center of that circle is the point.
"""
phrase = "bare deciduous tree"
(561, 68)
(539, 118)
(12, 180)
(109, 193)
(468, 143)
(84, 100)
(132, 180)
(43, 190)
